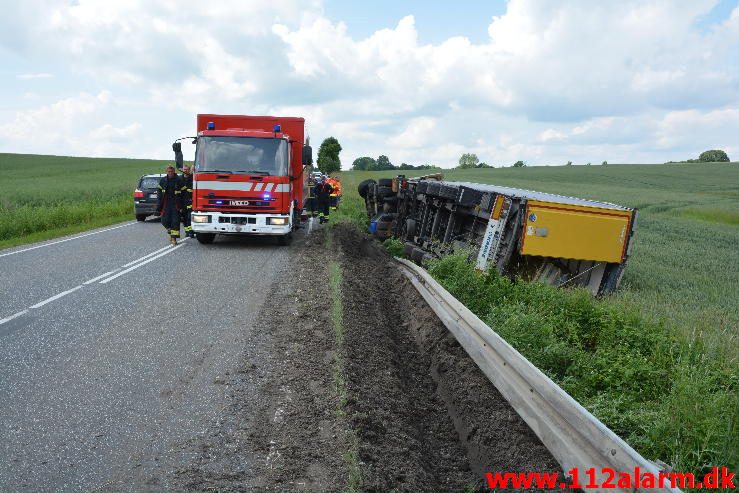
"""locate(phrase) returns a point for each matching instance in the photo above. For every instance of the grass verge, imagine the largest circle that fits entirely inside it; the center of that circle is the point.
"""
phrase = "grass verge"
(669, 397)
(44, 197)
(351, 446)
(65, 231)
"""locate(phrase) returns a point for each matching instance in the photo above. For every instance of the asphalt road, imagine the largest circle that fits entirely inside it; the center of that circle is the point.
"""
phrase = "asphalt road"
(114, 348)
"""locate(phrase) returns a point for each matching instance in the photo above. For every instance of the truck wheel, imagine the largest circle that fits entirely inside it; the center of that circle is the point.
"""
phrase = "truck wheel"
(285, 240)
(141, 217)
(205, 238)
(410, 229)
(364, 187)
(383, 192)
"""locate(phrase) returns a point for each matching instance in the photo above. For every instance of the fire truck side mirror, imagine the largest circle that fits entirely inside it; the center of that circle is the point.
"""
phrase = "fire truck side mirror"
(307, 156)
(178, 159)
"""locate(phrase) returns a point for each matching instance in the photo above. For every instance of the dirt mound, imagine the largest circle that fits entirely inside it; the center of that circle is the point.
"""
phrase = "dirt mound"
(427, 418)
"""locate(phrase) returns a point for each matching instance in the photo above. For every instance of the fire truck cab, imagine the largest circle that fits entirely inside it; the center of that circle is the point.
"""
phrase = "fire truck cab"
(248, 177)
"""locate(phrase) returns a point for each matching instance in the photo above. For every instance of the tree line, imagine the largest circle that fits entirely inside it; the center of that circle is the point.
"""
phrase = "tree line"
(329, 162)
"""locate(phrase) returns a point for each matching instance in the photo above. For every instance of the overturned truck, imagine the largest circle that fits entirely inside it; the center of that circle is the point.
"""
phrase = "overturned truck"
(564, 241)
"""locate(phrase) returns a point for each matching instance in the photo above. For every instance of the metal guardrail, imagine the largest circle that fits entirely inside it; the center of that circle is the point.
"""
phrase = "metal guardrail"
(576, 438)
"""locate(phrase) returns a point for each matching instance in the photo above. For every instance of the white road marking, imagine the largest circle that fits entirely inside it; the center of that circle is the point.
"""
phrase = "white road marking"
(101, 276)
(56, 297)
(8, 319)
(67, 239)
(169, 250)
(147, 256)
(158, 253)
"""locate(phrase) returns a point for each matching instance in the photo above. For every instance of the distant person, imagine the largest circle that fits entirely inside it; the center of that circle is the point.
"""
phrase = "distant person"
(169, 203)
(334, 201)
(323, 193)
(186, 199)
(312, 206)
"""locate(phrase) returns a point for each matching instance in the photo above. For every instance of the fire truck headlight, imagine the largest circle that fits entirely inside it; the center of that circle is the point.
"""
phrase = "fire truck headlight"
(277, 221)
(200, 218)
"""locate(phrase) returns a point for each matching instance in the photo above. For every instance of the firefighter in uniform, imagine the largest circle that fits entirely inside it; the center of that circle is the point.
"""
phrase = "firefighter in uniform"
(323, 193)
(186, 200)
(334, 200)
(169, 204)
(312, 196)
(337, 189)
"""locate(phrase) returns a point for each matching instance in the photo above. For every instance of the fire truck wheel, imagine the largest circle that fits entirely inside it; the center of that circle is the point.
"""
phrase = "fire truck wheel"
(205, 238)
(141, 217)
(284, 240)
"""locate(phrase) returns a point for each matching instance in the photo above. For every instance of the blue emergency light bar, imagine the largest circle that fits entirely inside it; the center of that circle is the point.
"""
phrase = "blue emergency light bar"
(211, 125)
(277, 128)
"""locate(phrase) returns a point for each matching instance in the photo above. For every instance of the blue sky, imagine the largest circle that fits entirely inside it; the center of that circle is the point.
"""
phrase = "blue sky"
(423, 82)
(436, 20)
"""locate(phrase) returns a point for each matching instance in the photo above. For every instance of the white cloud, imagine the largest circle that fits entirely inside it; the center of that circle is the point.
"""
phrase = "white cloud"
(42, 75)
(555, 81)
(70, 126)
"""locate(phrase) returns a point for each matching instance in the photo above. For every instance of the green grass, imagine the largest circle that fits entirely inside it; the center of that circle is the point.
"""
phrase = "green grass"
(658, 361)
(351, 440)
(668, 398)
(46, 196)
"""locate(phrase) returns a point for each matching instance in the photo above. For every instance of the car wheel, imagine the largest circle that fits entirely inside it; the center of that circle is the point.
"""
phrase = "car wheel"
(141, 217)
(205, 238)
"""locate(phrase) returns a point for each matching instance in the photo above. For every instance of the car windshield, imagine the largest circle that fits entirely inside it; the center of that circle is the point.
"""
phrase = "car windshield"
(149, 182)
(242, 155)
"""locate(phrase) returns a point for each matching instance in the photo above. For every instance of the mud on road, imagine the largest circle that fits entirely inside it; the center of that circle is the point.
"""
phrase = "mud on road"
(396, 398)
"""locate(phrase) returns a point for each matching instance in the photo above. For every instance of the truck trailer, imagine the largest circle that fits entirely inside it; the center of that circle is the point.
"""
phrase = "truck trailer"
(248, 177)
(564, 241)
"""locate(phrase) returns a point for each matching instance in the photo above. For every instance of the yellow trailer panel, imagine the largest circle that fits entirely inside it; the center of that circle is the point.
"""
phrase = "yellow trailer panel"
(575, 232)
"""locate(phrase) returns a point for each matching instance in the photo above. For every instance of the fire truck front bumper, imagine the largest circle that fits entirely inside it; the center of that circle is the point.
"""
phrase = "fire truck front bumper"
(227, 223)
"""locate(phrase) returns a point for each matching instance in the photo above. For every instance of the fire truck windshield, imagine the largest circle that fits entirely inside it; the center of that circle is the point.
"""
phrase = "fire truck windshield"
(242, 155)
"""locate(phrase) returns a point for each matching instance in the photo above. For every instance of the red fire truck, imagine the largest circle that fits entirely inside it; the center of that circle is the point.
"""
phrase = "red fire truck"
(248, 176)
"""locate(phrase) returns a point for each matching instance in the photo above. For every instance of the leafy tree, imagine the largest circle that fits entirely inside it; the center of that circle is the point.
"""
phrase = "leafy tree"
(328, 156)
(519, 164)
(604, 163)
(713, 156)
(468, 161)
(483, 165)
(383, 163)
(364, 163)
(569, 163)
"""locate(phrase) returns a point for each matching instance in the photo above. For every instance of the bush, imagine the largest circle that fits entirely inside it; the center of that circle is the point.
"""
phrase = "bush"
(713, 156)
(394, 247)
